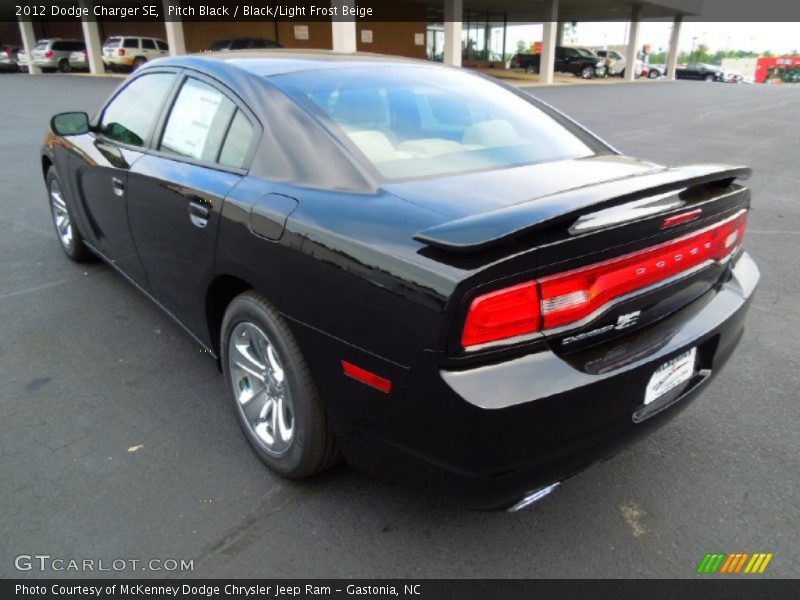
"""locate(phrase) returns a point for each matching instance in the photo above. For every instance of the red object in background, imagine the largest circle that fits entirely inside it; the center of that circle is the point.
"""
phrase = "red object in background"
(765, 63)
(537, 47)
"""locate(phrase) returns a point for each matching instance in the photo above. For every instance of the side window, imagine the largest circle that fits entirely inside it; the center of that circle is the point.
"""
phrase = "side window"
(148, 44)
(162, 45)
(59, 46)
(131, 43)
(237, 143)
(198, 121)
(131, 114)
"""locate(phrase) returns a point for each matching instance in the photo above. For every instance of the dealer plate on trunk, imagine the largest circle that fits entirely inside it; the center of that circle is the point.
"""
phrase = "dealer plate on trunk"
(670, 375)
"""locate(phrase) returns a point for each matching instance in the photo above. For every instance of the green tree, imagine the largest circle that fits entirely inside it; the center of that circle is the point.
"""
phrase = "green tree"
(522, 47)
(570, 32)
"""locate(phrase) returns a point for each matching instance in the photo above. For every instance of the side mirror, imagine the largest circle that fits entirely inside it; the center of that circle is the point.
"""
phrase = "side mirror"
(70, 123)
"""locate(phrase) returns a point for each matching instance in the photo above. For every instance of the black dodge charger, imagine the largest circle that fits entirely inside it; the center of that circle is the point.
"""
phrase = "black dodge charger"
(441, 278)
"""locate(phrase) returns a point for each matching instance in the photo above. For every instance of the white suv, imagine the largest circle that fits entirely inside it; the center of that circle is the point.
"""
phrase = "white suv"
(131, 52)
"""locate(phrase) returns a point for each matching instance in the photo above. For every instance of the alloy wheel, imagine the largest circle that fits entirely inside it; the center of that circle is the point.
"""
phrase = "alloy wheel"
(61, 217)
(260, 388)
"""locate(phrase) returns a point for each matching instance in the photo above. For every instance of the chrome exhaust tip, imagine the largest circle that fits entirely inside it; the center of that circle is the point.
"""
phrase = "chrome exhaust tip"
(534, 497)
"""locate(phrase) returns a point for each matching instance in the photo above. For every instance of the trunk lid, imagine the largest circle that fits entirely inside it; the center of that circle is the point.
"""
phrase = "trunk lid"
(633, 215)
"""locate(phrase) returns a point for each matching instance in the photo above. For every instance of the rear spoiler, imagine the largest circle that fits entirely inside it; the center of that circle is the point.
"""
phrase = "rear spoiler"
(477, 232)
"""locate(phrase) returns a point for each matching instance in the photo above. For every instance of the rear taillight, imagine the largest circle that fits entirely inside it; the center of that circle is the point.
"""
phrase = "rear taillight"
(48, 54)
(121, 52)
(502, 314)
(567, 298)
(8, 53)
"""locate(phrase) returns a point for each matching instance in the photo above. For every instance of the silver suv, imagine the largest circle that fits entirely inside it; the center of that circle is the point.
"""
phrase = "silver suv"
(53, 54)
(131, 52)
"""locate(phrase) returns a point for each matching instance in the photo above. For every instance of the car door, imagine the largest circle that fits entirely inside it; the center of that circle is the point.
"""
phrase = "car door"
(560, 61)
(149, 50)
(119, 137)
(176, 192)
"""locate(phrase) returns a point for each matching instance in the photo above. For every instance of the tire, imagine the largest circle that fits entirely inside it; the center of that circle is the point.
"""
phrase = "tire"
(138, 62)
(69, 238)
(254, 335)
(63, 66)
(709, 78)
(653, 75)
(587, 72)
(532, 69)
(111, 68)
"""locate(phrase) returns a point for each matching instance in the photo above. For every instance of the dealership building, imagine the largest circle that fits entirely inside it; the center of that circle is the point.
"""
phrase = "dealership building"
(458, 32)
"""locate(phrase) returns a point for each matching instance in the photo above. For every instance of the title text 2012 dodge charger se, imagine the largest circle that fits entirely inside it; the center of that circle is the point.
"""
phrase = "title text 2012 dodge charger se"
(441, 278)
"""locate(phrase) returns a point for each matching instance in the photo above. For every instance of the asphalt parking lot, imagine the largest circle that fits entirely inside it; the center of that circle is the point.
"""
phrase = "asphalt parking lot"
(117, 440)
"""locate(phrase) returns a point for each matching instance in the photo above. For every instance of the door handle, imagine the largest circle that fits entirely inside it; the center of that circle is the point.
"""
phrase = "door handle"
(199, 213)
(118, 186)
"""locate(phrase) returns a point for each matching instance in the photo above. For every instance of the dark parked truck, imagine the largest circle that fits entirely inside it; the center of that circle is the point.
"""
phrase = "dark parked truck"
(437, 276)
(700, 71)
(578, 61)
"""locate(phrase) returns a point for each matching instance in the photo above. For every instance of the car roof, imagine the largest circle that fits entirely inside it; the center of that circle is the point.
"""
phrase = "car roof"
(267, 62)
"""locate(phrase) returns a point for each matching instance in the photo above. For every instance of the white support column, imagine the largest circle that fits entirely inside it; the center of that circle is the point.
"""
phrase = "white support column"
(174, 27)
(547, 61)
(344, 32)
(91, 37)
(633, 44)
(29, 41)
(674, 41)
(560, 33)
(453, 15)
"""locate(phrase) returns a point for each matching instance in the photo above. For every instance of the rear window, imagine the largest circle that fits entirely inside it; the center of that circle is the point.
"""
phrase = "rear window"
(41, 46)
(414, 122)
(112, 42)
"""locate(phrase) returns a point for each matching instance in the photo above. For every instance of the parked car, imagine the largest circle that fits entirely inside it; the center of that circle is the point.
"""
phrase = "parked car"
(121, 53)
(79, 60)
(584, 64)
(613, 60)
(22, 60)
(731, 76)
(53, 54)
(242, 43)
(439, 277)
(656, 70)
(615, 63)
(9, 58)
(700, 71)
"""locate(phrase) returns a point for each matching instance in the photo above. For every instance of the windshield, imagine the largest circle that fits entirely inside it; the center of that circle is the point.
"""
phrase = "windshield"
(414, 122)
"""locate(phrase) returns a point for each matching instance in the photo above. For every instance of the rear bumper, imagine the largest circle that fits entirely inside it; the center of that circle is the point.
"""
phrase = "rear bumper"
(488, 436)
(46, 63)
